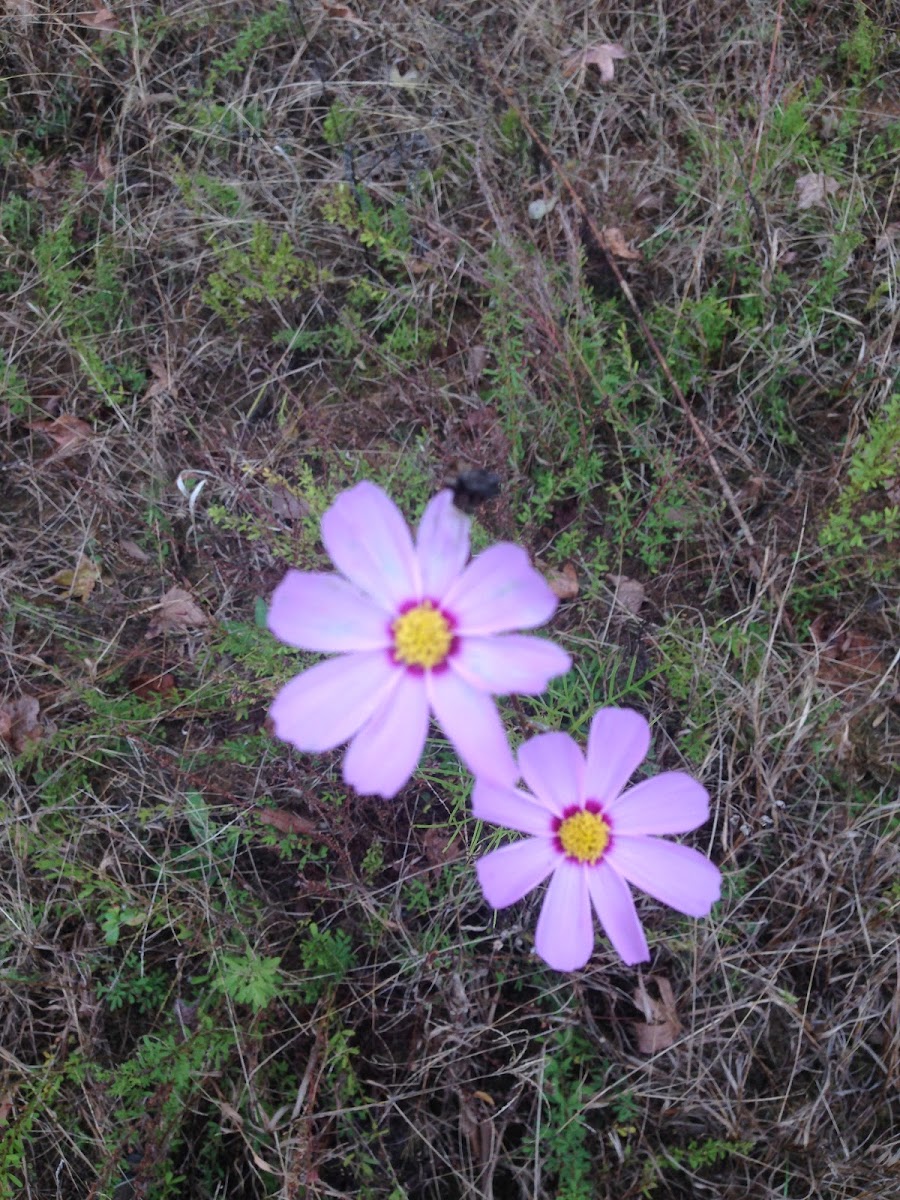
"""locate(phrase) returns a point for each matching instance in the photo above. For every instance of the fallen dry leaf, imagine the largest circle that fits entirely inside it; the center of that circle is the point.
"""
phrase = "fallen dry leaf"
(603, 55)
(162, 379)
(612, 240)
(564, 582)
(177, 612)
(630, 594)
(441, 847)
(403, 74)
(71, 435)
(41, 176)
(285, 504)
(476, 362)
(814, 189)
(846, 656)
(662, 1026)
(101, 18)
(133, 550)
(80, 580)
(19, 722)
(152, 683)
(885, 240)
(284, 821)
(340, 12)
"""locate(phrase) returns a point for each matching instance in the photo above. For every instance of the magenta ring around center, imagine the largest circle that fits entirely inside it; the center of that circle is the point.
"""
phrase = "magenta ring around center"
(591, 806)
(414, 669)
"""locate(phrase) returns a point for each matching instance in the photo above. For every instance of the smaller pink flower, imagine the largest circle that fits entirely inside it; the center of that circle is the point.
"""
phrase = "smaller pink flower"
(415, 629)
(594, 839)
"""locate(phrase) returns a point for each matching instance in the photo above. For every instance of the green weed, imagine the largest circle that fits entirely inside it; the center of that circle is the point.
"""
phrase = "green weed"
(13, 388)
(251, 41)
(694, 1157)
(250, 979)
(861, 526)
(565, 1142)
(83, 294)
(257, 272)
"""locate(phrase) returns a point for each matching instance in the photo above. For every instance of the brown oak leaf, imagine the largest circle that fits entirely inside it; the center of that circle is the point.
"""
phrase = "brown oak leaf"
(661, 1026)
(20, 723)
(152, 683)
(70, 434)
(176, 613)
(285, 821)
(41, 177)
(340, 12)
(101, 18)
(163, 383)
(630, 594)
(441, 847)
(814, 188)
(846, 656)
(564, 582)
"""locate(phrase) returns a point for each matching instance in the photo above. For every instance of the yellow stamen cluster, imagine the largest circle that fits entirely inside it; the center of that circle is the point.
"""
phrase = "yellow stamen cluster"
(584, 836)
(422, 636)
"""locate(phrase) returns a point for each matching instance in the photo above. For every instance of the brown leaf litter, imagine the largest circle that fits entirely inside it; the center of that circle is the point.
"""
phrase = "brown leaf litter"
(20, 722)
(177, 612)
(661, 1027)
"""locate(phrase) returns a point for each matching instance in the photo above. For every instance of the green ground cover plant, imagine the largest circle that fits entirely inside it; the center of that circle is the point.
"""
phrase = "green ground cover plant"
(277, 249)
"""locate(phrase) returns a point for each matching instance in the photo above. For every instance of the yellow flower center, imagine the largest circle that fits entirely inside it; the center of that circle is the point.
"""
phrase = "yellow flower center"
(422, 636)
(584, 836)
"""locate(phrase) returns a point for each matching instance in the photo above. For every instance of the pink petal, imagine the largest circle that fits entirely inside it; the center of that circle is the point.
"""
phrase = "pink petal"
(564, 937)
(471, 722)
(508, 874)
(325, 612)
(442, 544)
(509, 663)
(387, 749)
(669, 803)
(370, 543)
(498, 591)
(674, 874)
(614, 906)
(325, 705)
(617, 744)
(509, 807)
(553, 767)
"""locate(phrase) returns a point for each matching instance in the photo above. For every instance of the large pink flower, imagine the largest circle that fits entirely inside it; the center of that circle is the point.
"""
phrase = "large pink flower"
(594, 839)
(416, 631)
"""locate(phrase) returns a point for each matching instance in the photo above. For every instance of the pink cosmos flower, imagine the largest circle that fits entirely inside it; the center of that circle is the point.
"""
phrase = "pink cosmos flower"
(416, 631)
(594, 839)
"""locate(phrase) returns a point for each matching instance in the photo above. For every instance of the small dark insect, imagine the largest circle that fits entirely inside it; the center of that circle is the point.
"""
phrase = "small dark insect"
(471, 488)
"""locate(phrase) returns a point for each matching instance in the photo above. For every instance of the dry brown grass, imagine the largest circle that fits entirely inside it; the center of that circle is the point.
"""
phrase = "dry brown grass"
(429, 1055)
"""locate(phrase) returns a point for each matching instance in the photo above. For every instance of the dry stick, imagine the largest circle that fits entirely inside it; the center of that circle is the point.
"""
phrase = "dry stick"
(697, 428)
